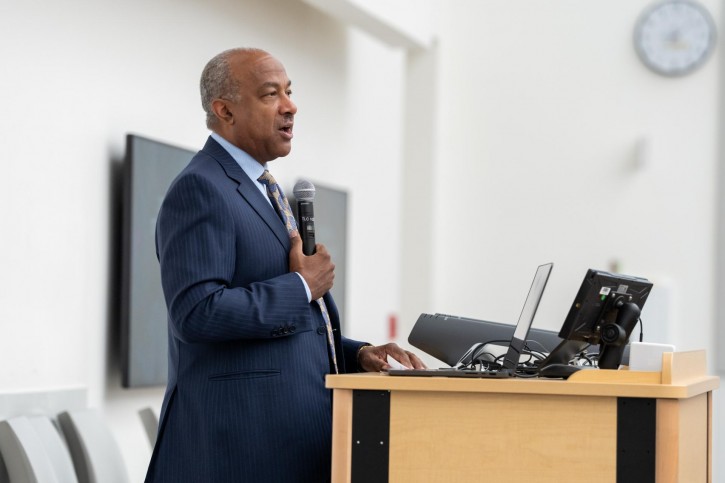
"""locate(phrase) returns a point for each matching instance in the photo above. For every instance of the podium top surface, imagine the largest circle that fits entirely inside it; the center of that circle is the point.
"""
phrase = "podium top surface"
(683, 376)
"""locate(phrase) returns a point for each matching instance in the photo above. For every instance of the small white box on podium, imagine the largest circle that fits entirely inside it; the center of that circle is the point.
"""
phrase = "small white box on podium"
(646, 356)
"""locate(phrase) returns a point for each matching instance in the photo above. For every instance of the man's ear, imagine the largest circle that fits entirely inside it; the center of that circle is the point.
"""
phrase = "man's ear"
(221, 111)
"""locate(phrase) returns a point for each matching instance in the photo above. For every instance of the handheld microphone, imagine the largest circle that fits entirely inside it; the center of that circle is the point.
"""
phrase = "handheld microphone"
(304, 191)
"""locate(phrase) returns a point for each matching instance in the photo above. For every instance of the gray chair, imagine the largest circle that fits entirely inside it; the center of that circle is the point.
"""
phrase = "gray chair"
(55, 447)
(34, 452)
(96, 455)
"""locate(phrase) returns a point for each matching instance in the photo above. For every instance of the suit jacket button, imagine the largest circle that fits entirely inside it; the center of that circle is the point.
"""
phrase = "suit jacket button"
(292, 329)
(321, 330)
(285, 331)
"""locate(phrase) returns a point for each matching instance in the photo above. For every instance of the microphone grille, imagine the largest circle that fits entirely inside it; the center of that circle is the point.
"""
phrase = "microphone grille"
(304, 190)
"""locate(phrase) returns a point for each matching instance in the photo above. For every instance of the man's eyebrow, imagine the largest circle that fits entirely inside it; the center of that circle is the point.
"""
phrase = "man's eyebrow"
(275, 85)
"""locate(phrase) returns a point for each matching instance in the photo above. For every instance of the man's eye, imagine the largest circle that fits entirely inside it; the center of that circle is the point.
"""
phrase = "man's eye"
(289, 93)
(271, 94)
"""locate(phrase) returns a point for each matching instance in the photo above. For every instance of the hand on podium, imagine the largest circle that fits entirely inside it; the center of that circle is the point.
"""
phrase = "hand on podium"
(374, 358)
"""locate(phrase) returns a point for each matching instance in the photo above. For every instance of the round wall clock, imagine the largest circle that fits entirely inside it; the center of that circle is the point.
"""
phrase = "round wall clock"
(674, 37)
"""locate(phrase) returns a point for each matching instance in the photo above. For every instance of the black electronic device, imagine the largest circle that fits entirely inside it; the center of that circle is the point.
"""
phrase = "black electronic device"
(605, 311)
(304, 192)
(517, 343)
(559, 370)
(447, 337)
(149, 169)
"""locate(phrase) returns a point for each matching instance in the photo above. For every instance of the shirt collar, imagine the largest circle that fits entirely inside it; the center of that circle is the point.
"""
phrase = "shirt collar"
(249, 165)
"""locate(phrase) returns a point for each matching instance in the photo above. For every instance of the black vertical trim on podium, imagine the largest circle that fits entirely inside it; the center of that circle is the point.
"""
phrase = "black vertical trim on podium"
(370, 436)
(636, 439)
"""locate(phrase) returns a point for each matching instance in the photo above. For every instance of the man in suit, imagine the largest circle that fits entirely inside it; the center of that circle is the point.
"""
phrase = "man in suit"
(249, 345)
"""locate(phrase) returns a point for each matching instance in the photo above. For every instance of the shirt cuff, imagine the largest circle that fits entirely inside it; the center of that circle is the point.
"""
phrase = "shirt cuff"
(307, 289)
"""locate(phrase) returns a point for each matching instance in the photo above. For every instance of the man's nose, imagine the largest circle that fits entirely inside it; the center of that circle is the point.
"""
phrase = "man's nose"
(288, 106)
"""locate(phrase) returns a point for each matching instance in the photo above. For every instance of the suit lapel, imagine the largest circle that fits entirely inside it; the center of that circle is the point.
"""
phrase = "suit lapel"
(248, 191)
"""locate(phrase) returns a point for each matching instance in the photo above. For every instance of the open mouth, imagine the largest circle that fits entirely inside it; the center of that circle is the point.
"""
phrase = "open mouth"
(286, 131)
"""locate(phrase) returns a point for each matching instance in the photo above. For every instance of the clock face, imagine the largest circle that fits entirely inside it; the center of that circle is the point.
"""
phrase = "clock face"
(674, 37)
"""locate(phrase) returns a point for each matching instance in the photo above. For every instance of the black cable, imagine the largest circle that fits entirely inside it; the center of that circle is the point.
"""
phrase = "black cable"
(523, 369)
(475, 355)
(524, 353)
(538, 355)
(528, 341)
(587, 358)
(478, 358)
(641, 329)
(472, 353)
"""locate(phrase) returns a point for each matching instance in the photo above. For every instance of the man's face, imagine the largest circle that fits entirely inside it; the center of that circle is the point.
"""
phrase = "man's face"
(264, 115)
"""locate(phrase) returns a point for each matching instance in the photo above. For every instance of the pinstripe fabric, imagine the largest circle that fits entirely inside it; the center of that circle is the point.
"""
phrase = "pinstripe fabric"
(279, 201)
(246, 400)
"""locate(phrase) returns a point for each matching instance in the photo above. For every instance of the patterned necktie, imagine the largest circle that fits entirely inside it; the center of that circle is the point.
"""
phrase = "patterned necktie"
(281, 205)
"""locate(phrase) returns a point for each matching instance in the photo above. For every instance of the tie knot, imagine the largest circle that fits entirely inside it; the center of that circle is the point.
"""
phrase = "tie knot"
(267, 178)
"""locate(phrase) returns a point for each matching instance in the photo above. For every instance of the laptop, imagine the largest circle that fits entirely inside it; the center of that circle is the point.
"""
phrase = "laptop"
(516, 345)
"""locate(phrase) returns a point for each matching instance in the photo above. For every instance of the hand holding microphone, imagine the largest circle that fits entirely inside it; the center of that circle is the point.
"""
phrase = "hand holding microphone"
(311, 261)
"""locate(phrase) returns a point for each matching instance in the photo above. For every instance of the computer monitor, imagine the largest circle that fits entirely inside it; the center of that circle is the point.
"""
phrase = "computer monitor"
(605, 311)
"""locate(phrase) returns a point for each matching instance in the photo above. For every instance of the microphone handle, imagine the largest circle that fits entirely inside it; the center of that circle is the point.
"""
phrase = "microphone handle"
(306, 215)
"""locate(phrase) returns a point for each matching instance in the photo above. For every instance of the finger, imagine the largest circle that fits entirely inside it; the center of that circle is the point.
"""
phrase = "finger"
(380, 361)
(295, 240)
(404, 359)
(378, 355)
(417, 363)
(400, 355)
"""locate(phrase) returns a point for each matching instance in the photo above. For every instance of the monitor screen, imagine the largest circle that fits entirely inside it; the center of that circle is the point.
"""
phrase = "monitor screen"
(605, 311)
(595, 303)
(150, 168)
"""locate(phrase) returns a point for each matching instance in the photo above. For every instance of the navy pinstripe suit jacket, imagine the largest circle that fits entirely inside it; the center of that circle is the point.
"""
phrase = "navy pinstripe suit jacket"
(245, 400)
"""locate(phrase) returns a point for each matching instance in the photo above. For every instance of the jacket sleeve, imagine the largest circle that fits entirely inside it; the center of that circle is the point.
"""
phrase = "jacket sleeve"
(195, 241)
(350, 349)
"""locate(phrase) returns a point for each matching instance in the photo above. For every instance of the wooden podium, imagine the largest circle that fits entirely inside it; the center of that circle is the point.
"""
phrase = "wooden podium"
(597, 426)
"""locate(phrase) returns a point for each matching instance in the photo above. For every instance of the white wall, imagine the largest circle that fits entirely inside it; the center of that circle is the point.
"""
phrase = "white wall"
(77, 76)
(542, 106)
(540, 119)
(526, 140)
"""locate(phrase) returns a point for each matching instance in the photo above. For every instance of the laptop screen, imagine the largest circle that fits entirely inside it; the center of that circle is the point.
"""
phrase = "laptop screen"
(518, 341)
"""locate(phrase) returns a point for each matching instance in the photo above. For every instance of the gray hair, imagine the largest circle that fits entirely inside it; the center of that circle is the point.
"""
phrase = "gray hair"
(217, 81)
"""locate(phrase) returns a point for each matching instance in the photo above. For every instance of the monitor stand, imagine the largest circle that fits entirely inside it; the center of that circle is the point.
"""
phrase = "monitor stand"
(557, 363)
